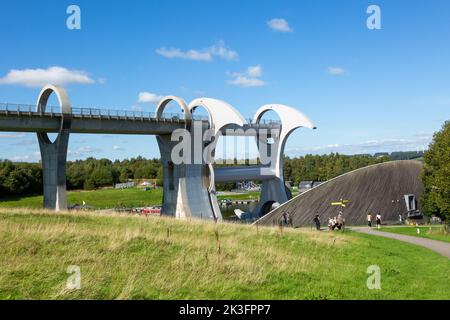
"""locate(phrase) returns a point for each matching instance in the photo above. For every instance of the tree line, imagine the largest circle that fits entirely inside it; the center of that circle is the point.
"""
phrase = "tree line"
(325, 167)
(436, 175)
(89, 174)
(26, 178)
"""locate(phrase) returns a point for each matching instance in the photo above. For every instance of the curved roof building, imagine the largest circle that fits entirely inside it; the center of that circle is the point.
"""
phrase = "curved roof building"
(379, 188)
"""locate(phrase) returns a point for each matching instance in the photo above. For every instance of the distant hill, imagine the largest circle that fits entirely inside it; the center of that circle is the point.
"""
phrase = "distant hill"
(406, 155)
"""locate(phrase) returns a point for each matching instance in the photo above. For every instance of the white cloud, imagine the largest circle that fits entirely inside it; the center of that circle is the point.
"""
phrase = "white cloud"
(254, 71)
(249, 78)
(33, 157)
(244, 81)
(417, 143)
(83, 152)
(280, 25)
(12, 135)
(40, 77)
(207, 54)
(336, 71)
(148, 97)
(220, 50)
(24, 142)
(117, 148)
(188, 55)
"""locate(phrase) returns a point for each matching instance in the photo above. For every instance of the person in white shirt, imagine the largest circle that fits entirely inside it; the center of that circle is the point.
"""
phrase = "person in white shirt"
(369, 220)
(378, 218)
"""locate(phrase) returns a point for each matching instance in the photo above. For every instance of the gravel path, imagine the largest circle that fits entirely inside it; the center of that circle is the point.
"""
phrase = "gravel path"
(440, 247)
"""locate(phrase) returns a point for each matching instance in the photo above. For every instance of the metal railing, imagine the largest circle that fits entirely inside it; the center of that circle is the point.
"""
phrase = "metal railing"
(99, 113)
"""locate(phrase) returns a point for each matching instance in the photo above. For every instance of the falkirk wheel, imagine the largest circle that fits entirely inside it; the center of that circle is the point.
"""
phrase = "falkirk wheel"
(189, 175)
(189, 187)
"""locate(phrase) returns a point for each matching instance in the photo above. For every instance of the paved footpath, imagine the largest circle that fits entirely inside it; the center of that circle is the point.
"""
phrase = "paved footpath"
(440, 247)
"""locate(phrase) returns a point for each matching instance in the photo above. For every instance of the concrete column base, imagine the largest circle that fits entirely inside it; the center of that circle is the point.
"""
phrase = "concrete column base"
(185, 186)
(54, 157)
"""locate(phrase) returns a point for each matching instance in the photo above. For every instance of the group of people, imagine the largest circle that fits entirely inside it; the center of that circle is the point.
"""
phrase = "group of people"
(333, 223)
(377, 219)
(336, 222)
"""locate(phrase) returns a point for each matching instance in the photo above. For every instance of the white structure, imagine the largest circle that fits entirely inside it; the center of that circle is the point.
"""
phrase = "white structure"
(189, 186)
(189, 189)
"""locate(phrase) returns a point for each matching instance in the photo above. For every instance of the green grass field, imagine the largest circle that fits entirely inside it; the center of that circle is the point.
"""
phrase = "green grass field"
(430, 232)
(128, 257)
(240, 196)
(108, 198)
(98, 199)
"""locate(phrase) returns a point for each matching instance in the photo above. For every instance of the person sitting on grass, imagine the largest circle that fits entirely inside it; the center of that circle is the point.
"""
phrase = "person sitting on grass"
(330, 223)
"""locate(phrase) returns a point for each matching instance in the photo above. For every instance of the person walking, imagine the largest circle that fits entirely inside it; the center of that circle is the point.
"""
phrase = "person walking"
(378, 219)
(317, 222)
(340, 221)
(283, 220)
(369, 220)
(289, 220)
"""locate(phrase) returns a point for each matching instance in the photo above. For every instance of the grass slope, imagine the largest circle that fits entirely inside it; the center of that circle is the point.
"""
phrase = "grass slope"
(430, 232)
(108, 198)
(99, 199)
(123, 257)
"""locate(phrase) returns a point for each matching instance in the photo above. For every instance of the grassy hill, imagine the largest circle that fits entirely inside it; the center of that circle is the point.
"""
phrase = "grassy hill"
(108, 198)
(128, 257)
(99, 199)
(430, 232)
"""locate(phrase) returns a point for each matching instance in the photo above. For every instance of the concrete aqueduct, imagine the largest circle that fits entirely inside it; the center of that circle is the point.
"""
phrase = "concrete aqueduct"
(189, 186)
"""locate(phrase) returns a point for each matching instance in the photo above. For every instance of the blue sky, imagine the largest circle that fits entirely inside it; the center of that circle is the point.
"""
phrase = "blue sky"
(366, 90)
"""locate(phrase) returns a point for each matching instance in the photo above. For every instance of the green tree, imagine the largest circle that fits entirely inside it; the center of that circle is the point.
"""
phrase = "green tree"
(102, 176)
(160, 177)
(89, 184)
(436, 175)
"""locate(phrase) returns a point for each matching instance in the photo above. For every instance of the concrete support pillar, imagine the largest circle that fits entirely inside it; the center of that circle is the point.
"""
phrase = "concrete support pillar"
(54, 154)
(273, 190)
(53, 157)
(186, 191)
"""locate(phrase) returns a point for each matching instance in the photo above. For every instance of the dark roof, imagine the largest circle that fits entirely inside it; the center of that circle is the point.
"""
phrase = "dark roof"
(377, 188)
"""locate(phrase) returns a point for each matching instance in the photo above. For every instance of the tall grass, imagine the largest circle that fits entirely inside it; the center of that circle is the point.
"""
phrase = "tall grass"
(128, 257)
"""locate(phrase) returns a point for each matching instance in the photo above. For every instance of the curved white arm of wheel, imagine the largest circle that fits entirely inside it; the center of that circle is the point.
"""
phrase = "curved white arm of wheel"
(64, 103)
(61, 94)
(164, 101)
(290, 118)
(220, 113)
